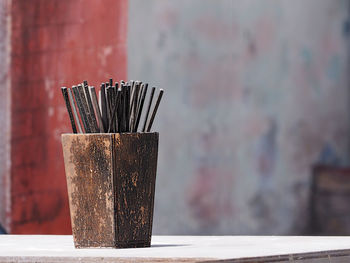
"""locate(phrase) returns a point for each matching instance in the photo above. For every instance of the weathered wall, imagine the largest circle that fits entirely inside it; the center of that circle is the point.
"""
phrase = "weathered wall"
(256, 92)
(5, 113)
(53, 43)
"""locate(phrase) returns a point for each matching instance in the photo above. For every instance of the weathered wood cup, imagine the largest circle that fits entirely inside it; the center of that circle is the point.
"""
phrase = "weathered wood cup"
(111, 182)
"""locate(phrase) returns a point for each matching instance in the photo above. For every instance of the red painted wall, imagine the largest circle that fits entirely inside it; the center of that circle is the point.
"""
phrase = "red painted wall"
(54, 43)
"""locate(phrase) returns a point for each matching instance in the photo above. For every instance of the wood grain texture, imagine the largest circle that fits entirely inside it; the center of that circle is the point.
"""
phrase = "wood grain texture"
(135, 172)
(111, 181)
(88, 164)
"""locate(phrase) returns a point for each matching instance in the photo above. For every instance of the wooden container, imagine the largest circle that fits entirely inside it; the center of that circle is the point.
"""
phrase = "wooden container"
(111, 181)
(330, 199)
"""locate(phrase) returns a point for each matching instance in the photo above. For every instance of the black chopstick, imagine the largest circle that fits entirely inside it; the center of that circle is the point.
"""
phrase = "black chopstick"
(123, 106)
(97, 108)
(148, 108)
(155, 110)
(104, 107)
(109, 105)
(127, 107)
(94, 125)
(71, 98)
(83, 98)
(118, 109)
(116, 105)
(139, 111)
(81, 109)
(69, 109)
(134, 105)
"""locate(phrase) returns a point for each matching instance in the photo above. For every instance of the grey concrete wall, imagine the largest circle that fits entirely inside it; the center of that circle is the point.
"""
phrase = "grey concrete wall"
(256, 92)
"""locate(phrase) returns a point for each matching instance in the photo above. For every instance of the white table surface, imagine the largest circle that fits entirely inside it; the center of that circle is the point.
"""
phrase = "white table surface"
(54, 248)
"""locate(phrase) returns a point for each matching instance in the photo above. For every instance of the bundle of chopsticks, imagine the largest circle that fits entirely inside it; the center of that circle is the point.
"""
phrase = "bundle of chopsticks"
(118, 108)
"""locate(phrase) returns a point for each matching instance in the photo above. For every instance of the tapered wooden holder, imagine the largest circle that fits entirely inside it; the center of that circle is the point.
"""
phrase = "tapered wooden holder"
(111, 182)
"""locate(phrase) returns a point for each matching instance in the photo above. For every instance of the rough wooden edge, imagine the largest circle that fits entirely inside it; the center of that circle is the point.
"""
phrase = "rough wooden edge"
(153, 187)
